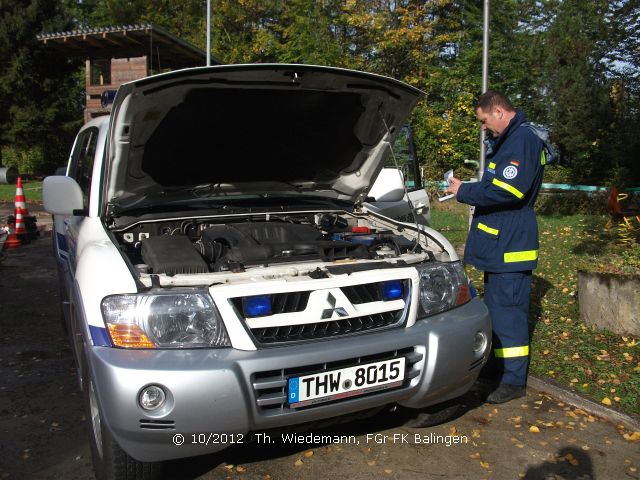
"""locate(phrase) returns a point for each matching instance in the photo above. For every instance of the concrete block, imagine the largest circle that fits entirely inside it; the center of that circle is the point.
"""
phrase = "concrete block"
(610, 301)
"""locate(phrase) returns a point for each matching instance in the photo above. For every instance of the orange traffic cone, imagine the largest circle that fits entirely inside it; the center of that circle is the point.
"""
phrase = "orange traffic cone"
(21, 201)
(12, 240)
(26, 227)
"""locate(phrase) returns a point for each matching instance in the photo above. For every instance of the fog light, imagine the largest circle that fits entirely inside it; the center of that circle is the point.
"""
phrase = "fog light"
(152, 397)
(479, 341)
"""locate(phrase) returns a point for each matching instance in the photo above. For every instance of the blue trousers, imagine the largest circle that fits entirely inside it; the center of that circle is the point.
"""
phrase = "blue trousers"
(506, 295)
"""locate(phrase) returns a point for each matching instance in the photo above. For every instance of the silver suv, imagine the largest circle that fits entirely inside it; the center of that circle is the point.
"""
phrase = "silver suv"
(219, 273)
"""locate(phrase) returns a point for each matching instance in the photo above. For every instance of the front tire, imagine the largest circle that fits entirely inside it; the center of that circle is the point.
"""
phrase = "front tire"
(110, 462)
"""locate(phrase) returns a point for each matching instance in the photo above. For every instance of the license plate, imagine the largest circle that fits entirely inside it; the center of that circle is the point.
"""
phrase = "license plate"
(345, 382)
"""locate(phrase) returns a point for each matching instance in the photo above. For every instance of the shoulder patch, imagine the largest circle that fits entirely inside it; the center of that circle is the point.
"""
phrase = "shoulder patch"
(510, 172)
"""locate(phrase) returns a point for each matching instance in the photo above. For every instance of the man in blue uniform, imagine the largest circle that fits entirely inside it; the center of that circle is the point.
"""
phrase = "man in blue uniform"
(503, 239)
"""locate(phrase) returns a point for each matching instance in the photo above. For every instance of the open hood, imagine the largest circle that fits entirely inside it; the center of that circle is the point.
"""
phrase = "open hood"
(260, 129)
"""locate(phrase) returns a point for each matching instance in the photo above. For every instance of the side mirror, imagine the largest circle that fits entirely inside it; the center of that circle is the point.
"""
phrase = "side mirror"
(389, 186)
(61, 195)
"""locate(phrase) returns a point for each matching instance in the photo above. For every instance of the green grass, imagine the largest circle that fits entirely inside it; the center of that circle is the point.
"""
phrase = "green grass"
(32, 192)
(595, 363)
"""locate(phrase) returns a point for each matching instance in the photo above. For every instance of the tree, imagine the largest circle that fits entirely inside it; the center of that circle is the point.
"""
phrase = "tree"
(39, 90)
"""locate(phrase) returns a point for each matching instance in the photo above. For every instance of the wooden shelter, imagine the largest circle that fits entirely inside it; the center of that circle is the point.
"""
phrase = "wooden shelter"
(119, 54)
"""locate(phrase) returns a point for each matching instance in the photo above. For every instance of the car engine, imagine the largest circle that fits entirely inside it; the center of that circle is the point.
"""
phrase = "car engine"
(202, 246)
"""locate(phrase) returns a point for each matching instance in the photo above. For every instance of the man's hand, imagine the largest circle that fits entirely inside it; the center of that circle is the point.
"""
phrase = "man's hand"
(454, 184)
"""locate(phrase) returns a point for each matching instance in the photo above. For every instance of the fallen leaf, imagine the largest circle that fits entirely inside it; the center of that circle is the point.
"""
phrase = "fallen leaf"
(229, 467)
(475, 433)
(298, 463)
(388, 471)
(606, 401)
(517, 419)
(484, 465)
(371, 463)
(534, 429)
(308, 453)
(632, 437)
(475, 456)
(453, 431)
(240, 469)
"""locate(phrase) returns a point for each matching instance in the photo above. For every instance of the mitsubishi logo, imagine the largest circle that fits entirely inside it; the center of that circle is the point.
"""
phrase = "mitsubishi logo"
(328, 312)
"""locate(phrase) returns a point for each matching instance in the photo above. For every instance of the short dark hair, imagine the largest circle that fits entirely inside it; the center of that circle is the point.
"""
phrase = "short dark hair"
(491, 99)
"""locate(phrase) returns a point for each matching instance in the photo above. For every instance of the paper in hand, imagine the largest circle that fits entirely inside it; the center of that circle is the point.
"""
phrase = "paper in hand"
(448, 174)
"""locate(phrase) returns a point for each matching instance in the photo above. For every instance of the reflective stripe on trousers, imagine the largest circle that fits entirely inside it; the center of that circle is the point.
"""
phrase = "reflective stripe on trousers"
(507, 298)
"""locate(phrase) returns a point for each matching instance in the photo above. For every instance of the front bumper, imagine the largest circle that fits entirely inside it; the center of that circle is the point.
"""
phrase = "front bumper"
(217, 390)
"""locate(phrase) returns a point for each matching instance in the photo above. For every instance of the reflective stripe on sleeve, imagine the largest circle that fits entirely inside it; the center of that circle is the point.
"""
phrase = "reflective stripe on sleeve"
(543, 158)
(524, 256)
(511, 352)
(508, 188)
(484, 228)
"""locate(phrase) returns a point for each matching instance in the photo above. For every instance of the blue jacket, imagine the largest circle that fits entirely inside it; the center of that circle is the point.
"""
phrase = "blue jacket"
(504, 231)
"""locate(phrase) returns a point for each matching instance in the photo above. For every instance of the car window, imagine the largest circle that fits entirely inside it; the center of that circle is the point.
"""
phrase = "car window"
(404, 151)
(82, 160)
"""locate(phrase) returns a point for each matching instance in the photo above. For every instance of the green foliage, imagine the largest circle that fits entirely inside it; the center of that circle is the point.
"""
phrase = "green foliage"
(572, 203)
(572, 64)
(26, 161)
(39, 94)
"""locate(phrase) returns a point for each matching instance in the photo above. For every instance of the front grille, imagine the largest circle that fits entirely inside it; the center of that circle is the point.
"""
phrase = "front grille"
(270, 388)
(286, 302)
(369, 292)
(329, 329)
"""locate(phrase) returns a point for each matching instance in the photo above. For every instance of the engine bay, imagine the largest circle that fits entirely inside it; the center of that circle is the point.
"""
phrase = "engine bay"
(211, 245)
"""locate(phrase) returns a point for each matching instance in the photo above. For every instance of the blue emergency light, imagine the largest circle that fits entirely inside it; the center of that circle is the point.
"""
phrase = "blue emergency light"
(392, 290)
(257, 306)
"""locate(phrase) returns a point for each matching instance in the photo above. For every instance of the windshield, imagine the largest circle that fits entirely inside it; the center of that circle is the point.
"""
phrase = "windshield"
(405, 159)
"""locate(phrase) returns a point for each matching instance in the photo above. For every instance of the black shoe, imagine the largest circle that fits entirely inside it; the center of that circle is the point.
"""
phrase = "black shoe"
(506, 392)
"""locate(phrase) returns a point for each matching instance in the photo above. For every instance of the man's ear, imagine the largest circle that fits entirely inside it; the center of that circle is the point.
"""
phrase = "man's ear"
(498, 111)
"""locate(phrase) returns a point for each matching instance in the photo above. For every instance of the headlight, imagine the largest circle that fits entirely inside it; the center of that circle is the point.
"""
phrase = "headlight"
(165, 320)
(442, 286)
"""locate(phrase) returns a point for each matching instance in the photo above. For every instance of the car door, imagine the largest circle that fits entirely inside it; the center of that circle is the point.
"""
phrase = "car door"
(66, 228)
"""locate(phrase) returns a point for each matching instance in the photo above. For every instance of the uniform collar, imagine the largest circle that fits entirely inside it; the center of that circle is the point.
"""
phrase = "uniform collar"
(515, 122)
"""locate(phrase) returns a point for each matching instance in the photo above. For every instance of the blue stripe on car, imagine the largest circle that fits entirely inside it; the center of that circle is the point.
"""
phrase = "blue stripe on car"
(100, 336)
(62, 242)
